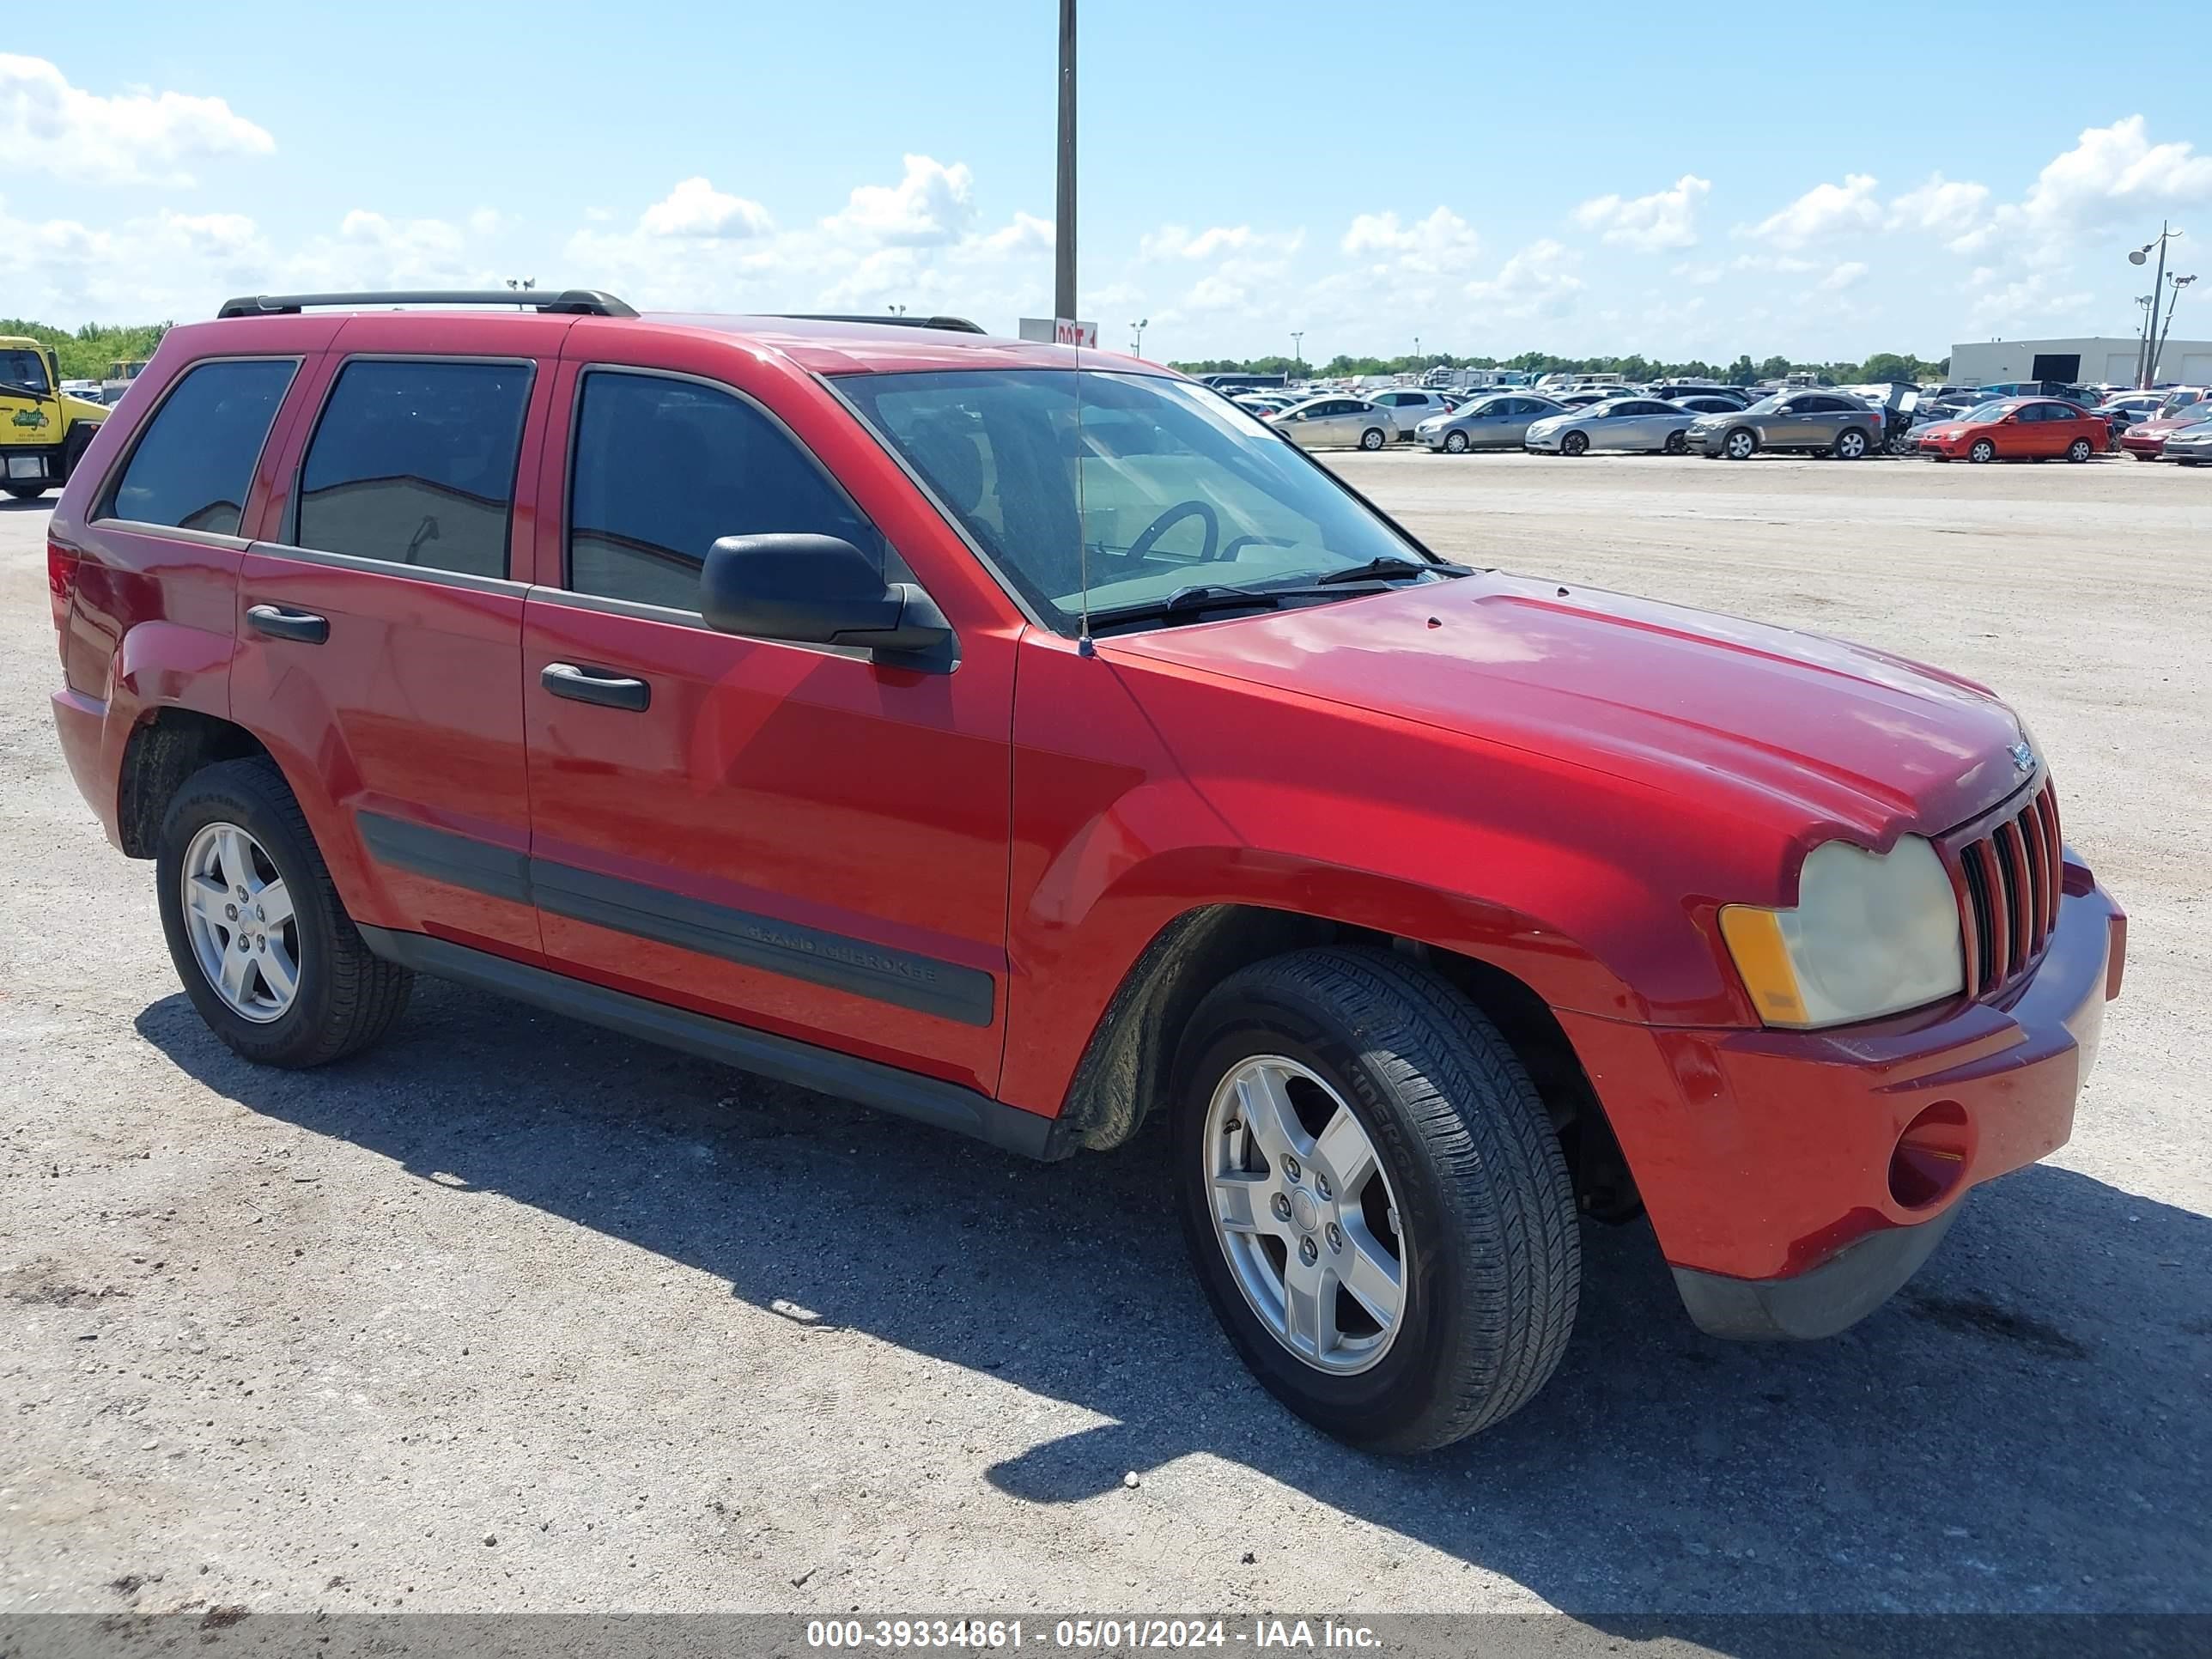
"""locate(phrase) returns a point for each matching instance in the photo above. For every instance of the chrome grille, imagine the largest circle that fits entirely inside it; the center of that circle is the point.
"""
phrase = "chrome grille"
(2007, 874)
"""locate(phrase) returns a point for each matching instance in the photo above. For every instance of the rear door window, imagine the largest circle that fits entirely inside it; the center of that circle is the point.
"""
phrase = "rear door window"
(413, 463)
(192, 468)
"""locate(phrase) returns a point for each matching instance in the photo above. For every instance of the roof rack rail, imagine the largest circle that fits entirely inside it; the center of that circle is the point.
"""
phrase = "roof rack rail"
(952, 325)
(579, 302)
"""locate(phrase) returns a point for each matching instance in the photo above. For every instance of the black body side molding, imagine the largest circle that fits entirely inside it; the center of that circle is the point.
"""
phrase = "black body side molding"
(905, 1094)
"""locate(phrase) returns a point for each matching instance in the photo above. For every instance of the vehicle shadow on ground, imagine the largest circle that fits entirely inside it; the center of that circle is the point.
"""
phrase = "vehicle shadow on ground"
(2025, 1428)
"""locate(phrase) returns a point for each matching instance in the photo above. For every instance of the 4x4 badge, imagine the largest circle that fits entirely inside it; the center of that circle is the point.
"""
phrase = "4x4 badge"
(2023, 757)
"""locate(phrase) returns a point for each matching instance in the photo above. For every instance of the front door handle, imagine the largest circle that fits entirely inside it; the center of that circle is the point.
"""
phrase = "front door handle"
(566, 679)
(277, 623)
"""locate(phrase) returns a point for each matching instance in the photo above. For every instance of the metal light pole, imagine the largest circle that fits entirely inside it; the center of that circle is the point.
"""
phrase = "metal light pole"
(2147, 371)
(1063, 218)
(2159, 351)
(1137, 346)
(1297, 350)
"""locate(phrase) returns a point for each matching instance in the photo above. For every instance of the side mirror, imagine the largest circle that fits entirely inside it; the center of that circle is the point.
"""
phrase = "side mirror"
(814, 590)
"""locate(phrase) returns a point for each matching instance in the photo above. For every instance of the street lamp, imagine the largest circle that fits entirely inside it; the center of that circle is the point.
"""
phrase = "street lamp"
(1137, 347)
(2147, 359)
(1298, 351)
(2179, 283)
(895, 311)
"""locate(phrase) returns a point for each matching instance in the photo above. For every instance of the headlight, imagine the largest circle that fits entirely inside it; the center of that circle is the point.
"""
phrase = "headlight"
(1870, 934)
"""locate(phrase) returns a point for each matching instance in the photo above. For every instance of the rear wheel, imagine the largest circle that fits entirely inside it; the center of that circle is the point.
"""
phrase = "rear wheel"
(2079, 450)
(1983, 452)
(1373, 438)
(1740, 445)
(1455, 443)
(1677, 443)
(1574, 443)
(264, 948)
(1374, 1198)
(1849, 445)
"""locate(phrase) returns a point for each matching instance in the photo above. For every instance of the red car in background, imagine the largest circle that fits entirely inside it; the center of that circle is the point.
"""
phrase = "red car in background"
(2145, 439)
(2017, 429)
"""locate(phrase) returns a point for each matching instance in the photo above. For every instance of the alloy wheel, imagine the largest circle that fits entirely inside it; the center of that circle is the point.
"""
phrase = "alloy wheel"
(238, 916)
(1740, 445)
(1305, 1214)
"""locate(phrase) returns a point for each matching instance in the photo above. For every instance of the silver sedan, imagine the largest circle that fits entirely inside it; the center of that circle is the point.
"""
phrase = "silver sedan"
(1328, 422)
(1634, 424)
(1495, 423)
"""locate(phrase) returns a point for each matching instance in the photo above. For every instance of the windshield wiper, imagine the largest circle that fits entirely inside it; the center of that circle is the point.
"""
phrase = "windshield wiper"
(1389, 565)
(1190, 601)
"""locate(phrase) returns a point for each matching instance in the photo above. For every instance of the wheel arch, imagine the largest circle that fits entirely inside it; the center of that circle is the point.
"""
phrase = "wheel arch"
(1125, 1072)
(168, 745)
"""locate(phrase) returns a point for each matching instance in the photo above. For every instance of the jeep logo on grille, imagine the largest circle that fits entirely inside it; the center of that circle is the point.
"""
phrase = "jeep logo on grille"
(2023, 757)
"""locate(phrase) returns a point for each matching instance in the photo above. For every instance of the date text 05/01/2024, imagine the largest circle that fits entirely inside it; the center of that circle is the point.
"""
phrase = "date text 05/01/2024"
(1089, 1635)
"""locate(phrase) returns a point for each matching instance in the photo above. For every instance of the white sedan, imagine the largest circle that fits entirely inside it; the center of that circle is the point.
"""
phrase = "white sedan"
(1631, 424)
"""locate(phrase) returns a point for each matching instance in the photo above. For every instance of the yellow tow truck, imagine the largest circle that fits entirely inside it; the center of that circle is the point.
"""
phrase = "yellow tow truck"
(43, 429)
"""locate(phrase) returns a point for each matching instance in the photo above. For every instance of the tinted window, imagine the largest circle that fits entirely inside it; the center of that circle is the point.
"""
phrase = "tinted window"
(414, 463)
(664, 469)
(192, 467)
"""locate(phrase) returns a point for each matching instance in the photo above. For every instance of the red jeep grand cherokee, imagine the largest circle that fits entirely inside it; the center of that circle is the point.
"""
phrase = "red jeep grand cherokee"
(726, 681)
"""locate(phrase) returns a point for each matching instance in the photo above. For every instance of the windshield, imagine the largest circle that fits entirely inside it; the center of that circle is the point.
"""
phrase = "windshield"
(1167, 487)
(23, 367)
(2179, 408)
(2189, 414)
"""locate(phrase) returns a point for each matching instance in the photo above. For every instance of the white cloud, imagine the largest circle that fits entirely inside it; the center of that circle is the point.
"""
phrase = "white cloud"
(1823, 211)
(1176, 242)
(1666, 218)
(1443, 242)
(2113, 175)
(933, 203)
(1955, 210)
(2003, 309)
(695, 208)
(132, 138)
(1539, 281)
(1843, 276)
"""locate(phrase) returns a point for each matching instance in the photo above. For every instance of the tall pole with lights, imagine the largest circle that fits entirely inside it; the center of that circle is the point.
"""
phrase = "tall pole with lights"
(2157, 351)
(1063, 218)
(2147, 368)
(1298, 351)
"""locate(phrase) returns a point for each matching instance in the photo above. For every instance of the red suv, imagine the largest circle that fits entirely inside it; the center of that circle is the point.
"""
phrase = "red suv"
(1033, 746)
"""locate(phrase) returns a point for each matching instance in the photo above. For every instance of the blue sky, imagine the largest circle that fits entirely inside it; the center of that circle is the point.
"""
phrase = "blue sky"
(1812, 181)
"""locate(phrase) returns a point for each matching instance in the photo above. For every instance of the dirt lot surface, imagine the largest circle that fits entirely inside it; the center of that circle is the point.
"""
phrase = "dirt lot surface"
(485, 1319)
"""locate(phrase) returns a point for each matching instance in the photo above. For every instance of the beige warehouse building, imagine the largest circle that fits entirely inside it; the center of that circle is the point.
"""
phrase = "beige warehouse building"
(2092, 362)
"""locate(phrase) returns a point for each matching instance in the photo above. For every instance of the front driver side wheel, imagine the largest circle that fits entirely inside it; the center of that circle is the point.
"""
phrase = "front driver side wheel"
(1983, 452)
(1740, 445)
(1455, 443)
(1374, 1198)
(1574, 443)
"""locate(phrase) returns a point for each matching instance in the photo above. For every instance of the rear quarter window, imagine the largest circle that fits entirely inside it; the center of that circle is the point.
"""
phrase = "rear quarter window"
(191, 468)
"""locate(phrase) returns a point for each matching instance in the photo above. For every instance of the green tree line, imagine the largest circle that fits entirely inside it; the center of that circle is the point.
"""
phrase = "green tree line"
(85, 355)
(1883, 366)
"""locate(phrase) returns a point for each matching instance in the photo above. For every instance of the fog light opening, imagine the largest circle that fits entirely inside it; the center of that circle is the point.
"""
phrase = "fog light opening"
(1931, 1156)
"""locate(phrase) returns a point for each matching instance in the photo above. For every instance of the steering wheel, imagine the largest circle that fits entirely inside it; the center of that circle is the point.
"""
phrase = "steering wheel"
(1168, 520)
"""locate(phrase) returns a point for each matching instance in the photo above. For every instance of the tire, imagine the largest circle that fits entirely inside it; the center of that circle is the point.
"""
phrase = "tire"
(1850, 445)
(28, 492)
(1678, 443)
(1575, 444)
(1487, 1248)
(344, 998)
(1741, 444)
(2080, 451)
(1454, 443)
(1981, 453)
(1373, 438)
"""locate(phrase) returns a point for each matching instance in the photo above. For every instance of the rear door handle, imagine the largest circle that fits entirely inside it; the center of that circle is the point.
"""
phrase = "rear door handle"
(566, 679)
(279, 623)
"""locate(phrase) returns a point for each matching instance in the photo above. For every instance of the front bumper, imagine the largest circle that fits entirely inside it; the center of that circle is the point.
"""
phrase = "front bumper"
(1765, 1158)
(1544, 443)
(31, 463)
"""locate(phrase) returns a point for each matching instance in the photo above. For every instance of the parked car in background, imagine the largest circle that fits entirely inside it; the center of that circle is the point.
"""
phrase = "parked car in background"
(1617, 424)
(2133, 405)
(1675, 390)
(1500, 422)
(1409, 405)
(2017, 429)
(1706, 402)
(2180, 397)
(1814, 422)
(2146, 440)
(2191, 446)
(1339, 422)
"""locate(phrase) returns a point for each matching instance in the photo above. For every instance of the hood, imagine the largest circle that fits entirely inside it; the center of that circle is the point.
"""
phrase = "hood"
(1800, 731)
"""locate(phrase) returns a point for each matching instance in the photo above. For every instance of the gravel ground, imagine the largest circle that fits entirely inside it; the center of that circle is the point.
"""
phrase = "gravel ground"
(488, 1319)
